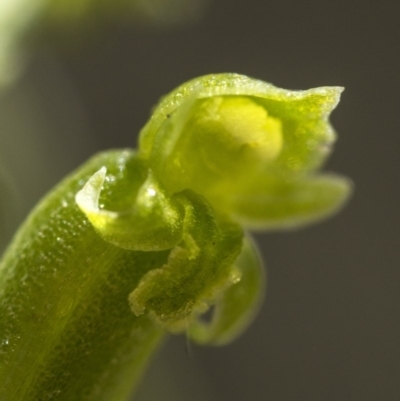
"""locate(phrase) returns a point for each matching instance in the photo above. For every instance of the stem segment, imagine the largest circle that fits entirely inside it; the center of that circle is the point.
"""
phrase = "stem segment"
(66, 328)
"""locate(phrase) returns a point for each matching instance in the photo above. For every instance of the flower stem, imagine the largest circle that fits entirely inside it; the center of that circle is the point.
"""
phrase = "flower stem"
(66, 328)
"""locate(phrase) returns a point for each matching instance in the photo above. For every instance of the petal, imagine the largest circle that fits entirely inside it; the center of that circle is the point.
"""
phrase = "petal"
(283, 204)
(197, 270)
(135, 215)
(218, 131)
(238, 305)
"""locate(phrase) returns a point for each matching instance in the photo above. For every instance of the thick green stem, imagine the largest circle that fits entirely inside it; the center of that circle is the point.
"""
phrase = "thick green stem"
(66, 328)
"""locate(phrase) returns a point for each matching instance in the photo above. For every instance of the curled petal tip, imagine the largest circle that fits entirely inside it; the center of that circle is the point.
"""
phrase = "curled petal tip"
(88, 197)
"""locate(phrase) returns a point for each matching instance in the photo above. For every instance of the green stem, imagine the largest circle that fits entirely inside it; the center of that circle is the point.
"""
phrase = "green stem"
(66, 329)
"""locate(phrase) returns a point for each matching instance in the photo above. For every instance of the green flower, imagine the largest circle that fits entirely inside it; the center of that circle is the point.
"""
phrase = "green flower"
(160, 233)
(248, 147)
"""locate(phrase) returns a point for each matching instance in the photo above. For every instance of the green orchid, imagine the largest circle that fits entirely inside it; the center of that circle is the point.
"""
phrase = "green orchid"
(250, 148)
(138, 243)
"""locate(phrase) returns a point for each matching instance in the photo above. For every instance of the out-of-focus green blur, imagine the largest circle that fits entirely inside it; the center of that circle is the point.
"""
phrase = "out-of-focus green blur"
(24, 22)
(16, 17)
(156, 11)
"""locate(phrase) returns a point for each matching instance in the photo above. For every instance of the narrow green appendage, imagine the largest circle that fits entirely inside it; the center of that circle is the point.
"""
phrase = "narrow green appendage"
(134, 244)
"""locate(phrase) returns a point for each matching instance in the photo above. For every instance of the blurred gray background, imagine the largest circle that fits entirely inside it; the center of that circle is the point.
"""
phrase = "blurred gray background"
(329, 328)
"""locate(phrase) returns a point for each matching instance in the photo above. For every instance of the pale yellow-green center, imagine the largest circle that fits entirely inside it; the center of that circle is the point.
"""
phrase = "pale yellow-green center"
(234, 135)
(248, 124)
(224, 143)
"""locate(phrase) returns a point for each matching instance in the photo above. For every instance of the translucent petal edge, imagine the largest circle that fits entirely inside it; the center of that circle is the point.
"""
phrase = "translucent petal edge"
(344, 190)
